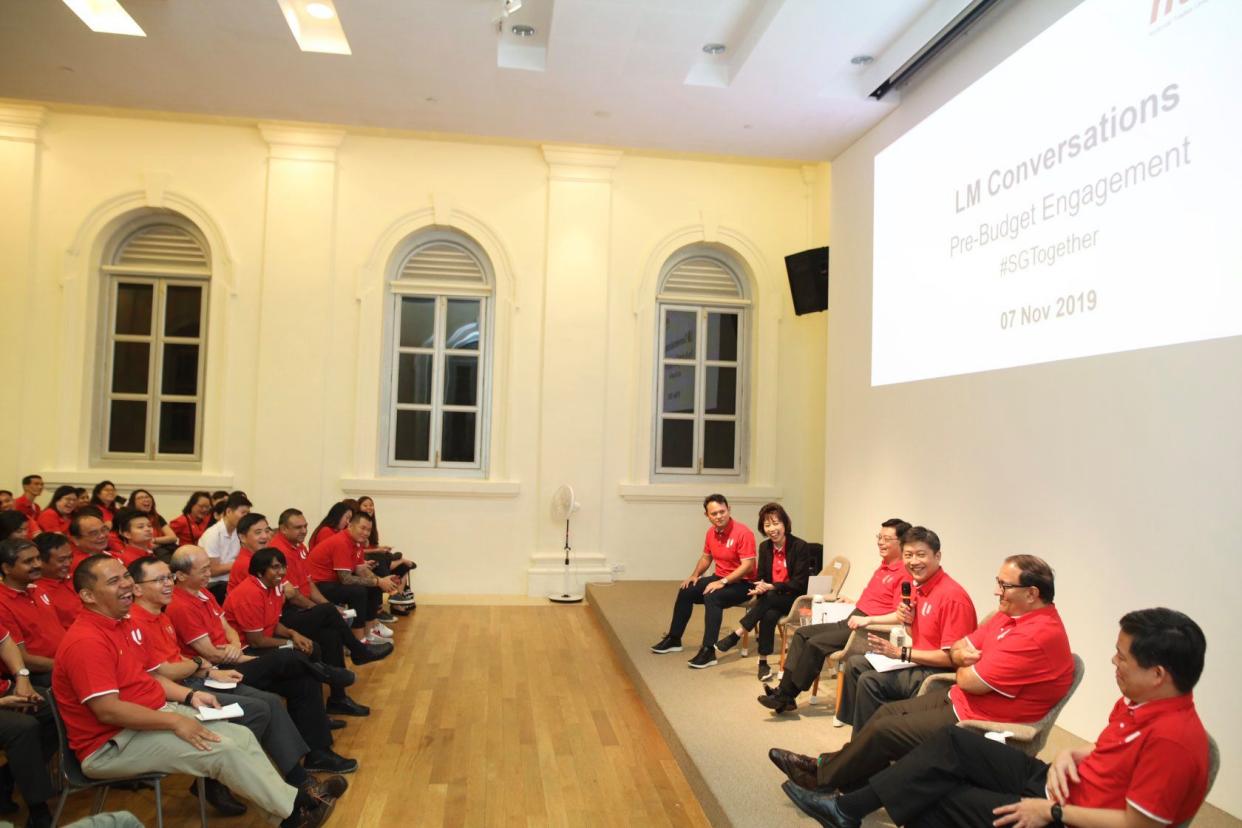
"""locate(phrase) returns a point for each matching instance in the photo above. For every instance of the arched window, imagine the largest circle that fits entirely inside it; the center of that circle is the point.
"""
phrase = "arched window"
(156, 275)
(438, 355)
(701, 366)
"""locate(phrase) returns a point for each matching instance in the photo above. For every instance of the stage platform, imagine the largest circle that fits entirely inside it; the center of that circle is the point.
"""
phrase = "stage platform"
(716, 729)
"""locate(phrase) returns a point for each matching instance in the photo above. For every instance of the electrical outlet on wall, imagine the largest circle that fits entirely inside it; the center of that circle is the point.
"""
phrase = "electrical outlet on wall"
(618, 568)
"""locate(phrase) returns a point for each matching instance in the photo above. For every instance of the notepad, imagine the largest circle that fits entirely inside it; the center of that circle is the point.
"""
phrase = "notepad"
(212, 714)
(349, 614)
(219, 685)
(884, 664)
(830, 612)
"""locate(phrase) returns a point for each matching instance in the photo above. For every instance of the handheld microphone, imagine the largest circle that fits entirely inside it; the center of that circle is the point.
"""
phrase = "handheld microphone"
(905, 594)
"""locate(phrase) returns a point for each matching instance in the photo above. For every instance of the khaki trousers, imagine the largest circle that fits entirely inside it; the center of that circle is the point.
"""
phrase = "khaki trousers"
(236, 761)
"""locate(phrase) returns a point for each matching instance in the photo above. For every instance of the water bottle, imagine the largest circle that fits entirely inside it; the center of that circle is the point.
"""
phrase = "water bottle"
(897, 637)
(817, 605)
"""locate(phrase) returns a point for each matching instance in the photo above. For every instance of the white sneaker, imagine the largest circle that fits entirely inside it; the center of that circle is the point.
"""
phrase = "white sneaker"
(837, 722)
(372, 638)
(380, 630)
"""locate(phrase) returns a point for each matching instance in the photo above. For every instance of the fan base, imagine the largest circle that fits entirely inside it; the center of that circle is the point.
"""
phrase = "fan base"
(565, 597)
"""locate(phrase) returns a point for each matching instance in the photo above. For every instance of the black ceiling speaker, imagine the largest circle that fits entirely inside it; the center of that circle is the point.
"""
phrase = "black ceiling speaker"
(808, 280)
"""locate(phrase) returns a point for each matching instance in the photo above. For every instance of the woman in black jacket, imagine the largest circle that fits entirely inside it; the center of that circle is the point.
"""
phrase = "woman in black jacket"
(785, 564)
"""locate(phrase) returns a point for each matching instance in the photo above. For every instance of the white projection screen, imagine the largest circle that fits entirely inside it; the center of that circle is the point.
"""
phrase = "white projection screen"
(1081, 198)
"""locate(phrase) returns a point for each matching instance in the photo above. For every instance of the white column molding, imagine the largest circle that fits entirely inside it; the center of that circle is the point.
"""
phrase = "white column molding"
(570, 163)
(299, 143)
(20, 122)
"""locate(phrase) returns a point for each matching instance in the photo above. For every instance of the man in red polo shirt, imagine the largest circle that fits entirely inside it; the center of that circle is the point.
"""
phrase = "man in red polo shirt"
(731, 547)
(254, 533)
(89, 536)
(29, 616)
(1013, 669)
(338, 563)
(1148, 767)
(32, 487)
(56, 554)
(812, 644)
(136, 534)
(122, 720)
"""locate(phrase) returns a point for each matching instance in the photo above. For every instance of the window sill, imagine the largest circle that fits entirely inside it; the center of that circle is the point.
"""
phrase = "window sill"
(429, 487)
(134, 477)
(695, 492)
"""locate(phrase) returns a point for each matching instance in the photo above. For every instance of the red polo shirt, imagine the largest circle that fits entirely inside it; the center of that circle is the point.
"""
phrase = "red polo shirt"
(188, 531)
(943, 613)
(1027, 663)
(729, 547)
(252, 607)
(340, 553)
(131, 553)
(296, 563)
(240, 570)
(1152, 756)
(32, 618)
(97, 657)
(156, 636)
(27, 507)
(64, 600)
(50, 520)
(324, 533)
(195, 616)
(780, 566)
(883, 592)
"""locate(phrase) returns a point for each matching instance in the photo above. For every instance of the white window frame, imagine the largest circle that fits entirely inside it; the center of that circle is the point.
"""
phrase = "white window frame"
(739, 305)
(441, 294)
(160, 278)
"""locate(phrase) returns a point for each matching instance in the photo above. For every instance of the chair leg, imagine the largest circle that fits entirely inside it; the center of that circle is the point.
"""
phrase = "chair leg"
(159, 805)
(784, 645)
(840, 682)
(202, 801)
(99, 799)
(60, 804)
(814, 692)
(745, 643)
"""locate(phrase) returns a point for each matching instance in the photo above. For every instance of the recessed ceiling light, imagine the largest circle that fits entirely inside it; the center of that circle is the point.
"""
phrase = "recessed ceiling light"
(714, 48)
(861, 60)
(522, 30)
(431, 99)
(600, 113)
(105, 17)
(747, 126)
(320, 11)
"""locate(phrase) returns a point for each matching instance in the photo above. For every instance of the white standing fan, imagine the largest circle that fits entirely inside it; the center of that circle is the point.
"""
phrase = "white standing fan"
(563, 506)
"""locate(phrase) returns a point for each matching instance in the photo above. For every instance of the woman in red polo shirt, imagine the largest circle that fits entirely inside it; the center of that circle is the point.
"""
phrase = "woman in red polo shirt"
(193, 520)
(144, 502)
(337, 518)
(55, 518)
(103, 498)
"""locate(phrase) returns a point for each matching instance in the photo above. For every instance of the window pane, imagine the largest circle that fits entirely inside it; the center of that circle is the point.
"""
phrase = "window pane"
(413, 435)
(414, 378)
(182, 305)
(718, 444)
(180, 370)
(127, 427)
(461, 380)
(177, 427)
(678, 389)
(677, 449)
(462, 325)
(457, 439)
(418, 322)
(679, 334)
(722, 336)
(720, 390)
(130, 365)
(133, 309)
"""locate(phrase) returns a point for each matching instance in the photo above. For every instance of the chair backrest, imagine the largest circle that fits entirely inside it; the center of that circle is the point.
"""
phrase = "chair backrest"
(817, 557)
(70, 768)
(1044, 726)
(839, 569)
(1213, 767)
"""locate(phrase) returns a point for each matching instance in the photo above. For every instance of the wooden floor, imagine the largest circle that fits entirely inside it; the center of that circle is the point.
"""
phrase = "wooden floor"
(505, 716)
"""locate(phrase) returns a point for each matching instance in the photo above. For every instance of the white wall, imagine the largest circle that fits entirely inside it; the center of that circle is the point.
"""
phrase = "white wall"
(302, 223)
(1123, 471)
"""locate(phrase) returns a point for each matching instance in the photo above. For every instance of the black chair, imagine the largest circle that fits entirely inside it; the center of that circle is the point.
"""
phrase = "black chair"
(74, 780)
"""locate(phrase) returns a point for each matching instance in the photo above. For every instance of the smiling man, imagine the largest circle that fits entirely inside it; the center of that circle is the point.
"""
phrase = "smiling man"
(23, 611)
(1012, 669)
(730, 547)
(1148, 767)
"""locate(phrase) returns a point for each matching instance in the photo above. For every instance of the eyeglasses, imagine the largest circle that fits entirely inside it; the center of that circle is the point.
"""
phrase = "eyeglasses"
(885, 538)
(1004, 587)
(163, 579)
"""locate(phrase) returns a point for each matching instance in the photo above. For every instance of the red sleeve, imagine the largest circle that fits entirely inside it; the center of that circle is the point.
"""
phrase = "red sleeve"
(188, 625)
(746, 549)
(957, 622)
(1009, 664)
(1163, 777)
(181, 527)
(91, 670)
(342, 556)
(8, 623)
(249, 618)
(150, 658)
(48, 520)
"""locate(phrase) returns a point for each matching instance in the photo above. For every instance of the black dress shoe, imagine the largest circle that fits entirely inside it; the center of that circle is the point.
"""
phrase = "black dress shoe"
(336, 724)
(374, 652)
(331, 676)
(802, 770)
(345, 706)
(218, 796)
(821, 807)
(778, 703)
(327, 761)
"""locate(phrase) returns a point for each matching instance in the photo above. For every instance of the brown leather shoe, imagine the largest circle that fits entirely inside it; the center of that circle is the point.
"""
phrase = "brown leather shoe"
(310, 817)
(801, 770)
(329, 788)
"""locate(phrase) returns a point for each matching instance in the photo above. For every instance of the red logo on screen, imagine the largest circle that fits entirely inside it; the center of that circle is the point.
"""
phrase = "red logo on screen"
(1162, 10)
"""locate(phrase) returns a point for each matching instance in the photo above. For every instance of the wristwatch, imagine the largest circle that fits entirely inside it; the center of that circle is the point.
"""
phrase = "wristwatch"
(1056, 815)
(23, 673)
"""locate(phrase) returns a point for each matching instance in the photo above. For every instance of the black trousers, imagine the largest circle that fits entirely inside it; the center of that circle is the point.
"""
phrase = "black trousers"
(809, 649)
(220, 590)
(264, 715)
(361, 599)
(769, 609)
(896, 729)
(29, 740)
(324, 625)
(285, 672)
(864, 690)
(955, 778)
(713, 606)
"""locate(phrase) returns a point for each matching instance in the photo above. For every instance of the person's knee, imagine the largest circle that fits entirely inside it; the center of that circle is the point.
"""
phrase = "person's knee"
(871, 682)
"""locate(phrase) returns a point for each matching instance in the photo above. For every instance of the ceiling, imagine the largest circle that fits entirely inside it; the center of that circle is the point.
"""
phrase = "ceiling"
(625, 73)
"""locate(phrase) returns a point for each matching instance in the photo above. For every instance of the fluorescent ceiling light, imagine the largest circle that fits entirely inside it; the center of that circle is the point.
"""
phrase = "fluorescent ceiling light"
(105, 16)
(315, 26)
